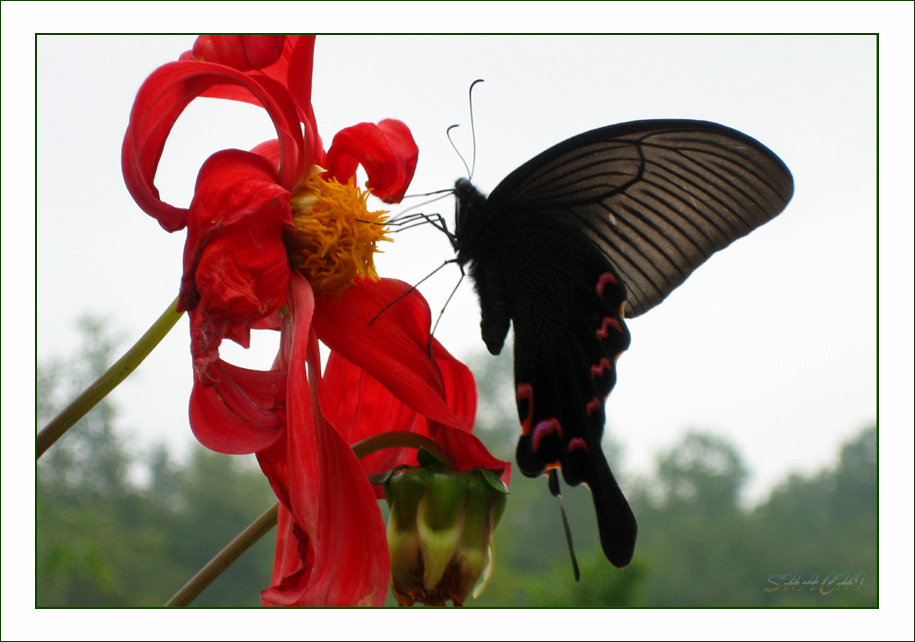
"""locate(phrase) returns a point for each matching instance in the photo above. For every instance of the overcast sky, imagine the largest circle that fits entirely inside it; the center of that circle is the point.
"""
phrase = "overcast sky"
(772, 343)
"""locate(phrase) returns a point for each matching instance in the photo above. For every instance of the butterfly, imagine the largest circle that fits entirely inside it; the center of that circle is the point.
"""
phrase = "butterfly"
(597, 229)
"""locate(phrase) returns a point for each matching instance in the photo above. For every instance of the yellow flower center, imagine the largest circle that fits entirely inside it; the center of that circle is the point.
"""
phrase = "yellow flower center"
(335, 234)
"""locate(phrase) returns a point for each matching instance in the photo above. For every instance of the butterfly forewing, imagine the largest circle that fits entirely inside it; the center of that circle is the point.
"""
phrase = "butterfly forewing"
(656, 197)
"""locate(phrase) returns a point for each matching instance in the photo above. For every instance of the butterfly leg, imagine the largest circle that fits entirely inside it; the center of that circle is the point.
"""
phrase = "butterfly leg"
(554, 490)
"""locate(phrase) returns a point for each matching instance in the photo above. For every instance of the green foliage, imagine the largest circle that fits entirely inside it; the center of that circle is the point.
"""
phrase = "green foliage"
(697, 545)
(104, 540)
(824, 524)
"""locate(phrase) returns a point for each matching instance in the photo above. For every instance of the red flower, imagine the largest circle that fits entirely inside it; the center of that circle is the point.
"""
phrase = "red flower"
(280, 238)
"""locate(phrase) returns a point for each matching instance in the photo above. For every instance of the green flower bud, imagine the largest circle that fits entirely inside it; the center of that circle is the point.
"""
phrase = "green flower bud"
(440, 533)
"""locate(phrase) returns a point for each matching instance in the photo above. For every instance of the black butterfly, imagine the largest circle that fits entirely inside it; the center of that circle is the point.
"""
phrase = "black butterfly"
(600, 227)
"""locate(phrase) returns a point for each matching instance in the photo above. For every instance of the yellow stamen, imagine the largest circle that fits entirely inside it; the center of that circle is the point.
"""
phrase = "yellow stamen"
(335, 234)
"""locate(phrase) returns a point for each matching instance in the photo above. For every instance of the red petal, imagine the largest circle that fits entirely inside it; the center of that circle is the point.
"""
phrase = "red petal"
(343, 561)
(235, 266)
(386, 150)
(340, 541)
(467, 451)
(240, 411)
(292, 69)
(392, 347)
(243, 53)
(359, 406)
(162, 98)
(460, 386)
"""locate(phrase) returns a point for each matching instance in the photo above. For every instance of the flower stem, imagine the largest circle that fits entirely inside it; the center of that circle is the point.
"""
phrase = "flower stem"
(214, 568)
(262, 525)
(400, 439)
(108, 381)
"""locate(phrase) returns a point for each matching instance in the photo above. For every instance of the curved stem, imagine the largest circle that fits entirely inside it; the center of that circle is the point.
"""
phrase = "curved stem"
(400, 439)
(262, 525)
(108, 381)
(225, 558)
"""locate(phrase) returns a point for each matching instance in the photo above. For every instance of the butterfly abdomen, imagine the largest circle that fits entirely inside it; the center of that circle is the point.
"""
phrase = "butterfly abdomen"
(477, 232)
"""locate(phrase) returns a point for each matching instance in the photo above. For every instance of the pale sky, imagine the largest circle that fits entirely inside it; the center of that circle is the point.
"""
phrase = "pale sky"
(772, 343)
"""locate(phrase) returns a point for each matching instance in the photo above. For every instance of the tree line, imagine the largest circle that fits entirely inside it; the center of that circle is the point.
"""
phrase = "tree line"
(119, 528)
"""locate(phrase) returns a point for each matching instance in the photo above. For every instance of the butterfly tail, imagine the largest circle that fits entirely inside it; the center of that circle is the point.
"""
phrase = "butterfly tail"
(617, 525)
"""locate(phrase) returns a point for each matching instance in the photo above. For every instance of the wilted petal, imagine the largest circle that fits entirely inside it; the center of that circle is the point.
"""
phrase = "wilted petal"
(235, 266)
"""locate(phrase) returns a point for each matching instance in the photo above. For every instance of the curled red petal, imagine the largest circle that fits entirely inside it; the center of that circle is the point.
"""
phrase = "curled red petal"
(237, 411)
(386, 150)
(292, 69)
(162, 98)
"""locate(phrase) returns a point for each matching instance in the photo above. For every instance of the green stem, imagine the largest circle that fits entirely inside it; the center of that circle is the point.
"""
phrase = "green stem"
(400, 439)
(108, 381)
(225, 558)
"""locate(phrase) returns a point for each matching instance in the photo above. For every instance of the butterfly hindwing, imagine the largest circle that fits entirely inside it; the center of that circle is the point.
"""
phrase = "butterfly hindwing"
(569, 330)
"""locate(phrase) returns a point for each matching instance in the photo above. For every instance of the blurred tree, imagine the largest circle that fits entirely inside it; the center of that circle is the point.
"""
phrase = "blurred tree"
(218, 496)
(105, 540)
(692, 534)
(822, 525)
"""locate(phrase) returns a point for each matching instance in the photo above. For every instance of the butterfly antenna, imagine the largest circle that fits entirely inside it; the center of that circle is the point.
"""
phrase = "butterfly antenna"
(454, 147)
(554, 490)
(473, 131)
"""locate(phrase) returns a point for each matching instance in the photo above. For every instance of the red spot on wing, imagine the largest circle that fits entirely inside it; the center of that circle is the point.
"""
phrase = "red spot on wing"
(593, 406)
(544, 428)
(609, 322)
(601, 368)
(577, 444)
(604, 279)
